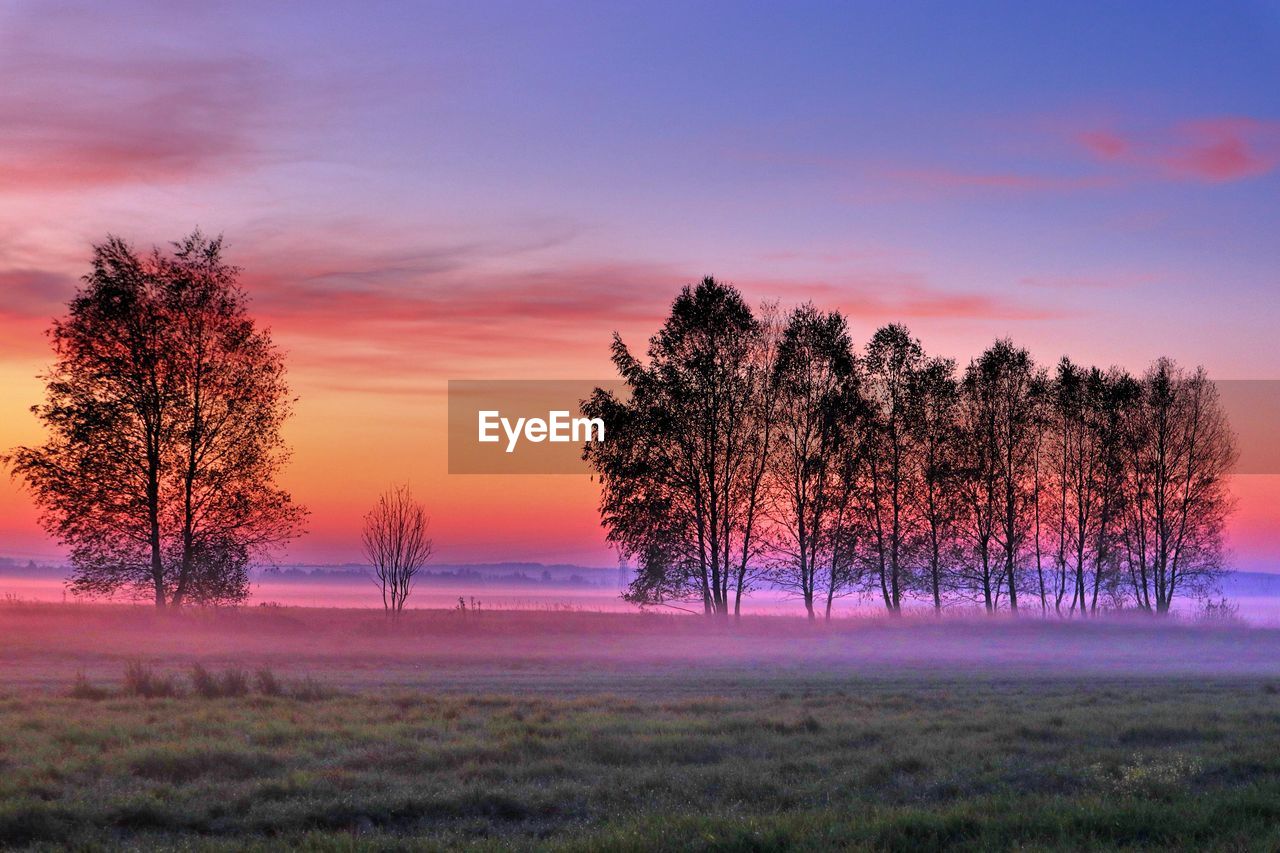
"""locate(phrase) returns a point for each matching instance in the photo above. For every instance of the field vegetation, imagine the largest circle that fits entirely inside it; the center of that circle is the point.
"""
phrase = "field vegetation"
(340, 730)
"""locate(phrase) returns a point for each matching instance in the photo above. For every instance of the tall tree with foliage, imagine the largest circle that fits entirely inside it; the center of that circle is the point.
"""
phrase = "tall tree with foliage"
(893, 358)
(1179, 450)
(814, 391)
(1007, 383)
(682, 472)
(163, 410)
(933, 402)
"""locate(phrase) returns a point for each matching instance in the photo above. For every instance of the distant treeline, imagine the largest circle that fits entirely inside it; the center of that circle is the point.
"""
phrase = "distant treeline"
(757, 448)
(482, 574)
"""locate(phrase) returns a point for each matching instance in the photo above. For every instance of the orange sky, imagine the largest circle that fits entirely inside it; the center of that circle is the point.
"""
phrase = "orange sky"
(458, 193)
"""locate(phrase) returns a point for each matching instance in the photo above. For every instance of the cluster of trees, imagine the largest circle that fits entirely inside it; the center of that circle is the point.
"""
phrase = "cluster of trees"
(755, 448)
(163, 411)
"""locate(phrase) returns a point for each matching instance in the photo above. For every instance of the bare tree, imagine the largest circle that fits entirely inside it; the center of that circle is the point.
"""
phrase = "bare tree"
(396, 544)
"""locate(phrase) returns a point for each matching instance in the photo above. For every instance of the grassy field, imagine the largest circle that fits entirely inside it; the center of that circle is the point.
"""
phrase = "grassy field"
(676, 753)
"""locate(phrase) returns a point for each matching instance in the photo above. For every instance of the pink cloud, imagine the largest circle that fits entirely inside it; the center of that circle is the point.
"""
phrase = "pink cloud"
(1226, 149)
(400, 319)
(1103, 144)
(894, 296)
(1208, 150)
(92, 124)
(31, 299)
(91, 101)
(1203, 150)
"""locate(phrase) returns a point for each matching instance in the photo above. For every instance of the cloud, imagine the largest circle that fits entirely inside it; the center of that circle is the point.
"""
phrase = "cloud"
(1010, 181)
(400, 321)
(885, 297)
(1111, 281)
(394, 317)
(29, 300)
(135, 112)
(1213, 150)
(34, 293)
(1204, 150)
(1103, 144)
(388, 319)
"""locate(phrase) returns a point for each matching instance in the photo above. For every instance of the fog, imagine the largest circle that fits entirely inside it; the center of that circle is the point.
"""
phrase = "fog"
(569, 651)
(1256, 596)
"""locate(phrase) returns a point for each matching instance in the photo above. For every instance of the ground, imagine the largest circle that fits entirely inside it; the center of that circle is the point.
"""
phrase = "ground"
(589, 731)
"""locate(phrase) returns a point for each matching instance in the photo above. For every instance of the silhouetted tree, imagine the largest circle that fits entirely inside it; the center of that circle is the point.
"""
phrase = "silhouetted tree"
(932, 414)
(814, 390)
(892, 359)
(748, 445)
(396, 545)
(682, 472)
(1178, 452)
(1006, 390)
(1118, 394)
(164, 409)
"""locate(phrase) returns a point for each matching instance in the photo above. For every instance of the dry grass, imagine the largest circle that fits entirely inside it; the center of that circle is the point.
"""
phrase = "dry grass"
(880, 764)
(565, 731)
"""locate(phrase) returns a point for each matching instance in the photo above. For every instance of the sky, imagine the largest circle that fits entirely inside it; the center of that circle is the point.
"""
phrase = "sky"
(421, 192)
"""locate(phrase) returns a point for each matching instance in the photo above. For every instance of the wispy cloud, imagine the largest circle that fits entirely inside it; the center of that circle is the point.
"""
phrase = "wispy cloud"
(1216, 149)
(31, 298)
(1103, 281)
(884, 297)
(400, 318)
(89, 102)
(945, 179)
(1061, 155)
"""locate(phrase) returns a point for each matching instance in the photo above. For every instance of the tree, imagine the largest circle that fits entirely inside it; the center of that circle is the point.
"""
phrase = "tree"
(933, 401)
(682, 473)
(814, 393)
(1118, 393)
(1004, 391)
(396, 544)
(1074, 493)
(1178, 451)
(164, 409)
(891, 362)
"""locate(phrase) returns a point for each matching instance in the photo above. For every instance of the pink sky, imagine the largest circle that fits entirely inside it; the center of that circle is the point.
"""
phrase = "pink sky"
(418, 196)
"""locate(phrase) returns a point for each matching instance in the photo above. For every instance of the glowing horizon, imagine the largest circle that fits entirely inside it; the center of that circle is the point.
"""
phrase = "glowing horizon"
(408, 211)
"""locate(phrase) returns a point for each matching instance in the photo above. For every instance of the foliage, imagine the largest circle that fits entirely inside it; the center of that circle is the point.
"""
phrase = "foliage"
(682, 471)
(163, 411)
(753, 447)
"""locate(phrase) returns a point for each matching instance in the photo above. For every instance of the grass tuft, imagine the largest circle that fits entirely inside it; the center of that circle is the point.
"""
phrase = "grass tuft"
(141, 680)
(83, 688)
(308, 689)
(267, 683)
(229, 683)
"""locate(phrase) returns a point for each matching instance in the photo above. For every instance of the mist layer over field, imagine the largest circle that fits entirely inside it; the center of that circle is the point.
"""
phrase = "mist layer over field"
(45, 645)
(1255, 596)
(263, 727)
